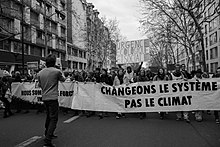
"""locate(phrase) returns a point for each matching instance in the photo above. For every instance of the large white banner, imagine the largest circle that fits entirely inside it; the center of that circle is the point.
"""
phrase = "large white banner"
(132, 51)
(31, 92)
(139, 97)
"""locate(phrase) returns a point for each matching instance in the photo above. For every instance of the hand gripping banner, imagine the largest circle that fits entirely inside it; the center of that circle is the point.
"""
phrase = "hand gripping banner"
(154, 96)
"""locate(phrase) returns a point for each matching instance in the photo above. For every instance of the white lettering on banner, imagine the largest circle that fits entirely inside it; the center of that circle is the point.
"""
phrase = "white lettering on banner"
(154, 96)
(132, 51)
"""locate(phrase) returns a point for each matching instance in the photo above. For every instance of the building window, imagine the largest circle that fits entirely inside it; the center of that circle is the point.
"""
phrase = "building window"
(213, 67)
(80, 54)
(63, 56)
(40, 34)
(80, 65)
(213, 24)
(75, 52)
(63, 30)
(214, 53)
(213, 38)
(6, 24)
(207, 55)
(85, 55)
(75, 65)
(207, 67)
(34, 16)
(36, 51)
(84, 65)
(5, 45)
(69, 50)
(18, 48)
(206, 29)
(206, 42)
(54, 27)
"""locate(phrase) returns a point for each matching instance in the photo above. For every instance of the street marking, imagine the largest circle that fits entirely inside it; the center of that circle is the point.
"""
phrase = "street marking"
(71, 119)
(29, 141)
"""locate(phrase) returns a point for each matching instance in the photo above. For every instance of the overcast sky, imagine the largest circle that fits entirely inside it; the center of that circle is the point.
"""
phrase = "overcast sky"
(125, 11)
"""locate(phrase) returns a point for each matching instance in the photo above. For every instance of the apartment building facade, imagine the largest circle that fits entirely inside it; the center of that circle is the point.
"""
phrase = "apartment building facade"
(212, 37)
(101, 50)
(70, 29)
(211, 34)
(76, 35)
(40, 17)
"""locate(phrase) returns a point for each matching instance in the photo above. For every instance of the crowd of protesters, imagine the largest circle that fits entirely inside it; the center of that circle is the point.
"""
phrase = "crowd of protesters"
(114, 77)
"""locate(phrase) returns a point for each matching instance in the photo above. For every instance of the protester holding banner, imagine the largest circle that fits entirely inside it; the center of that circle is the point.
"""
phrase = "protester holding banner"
(177, 75)
(48, 81)
(104, 79)
(118, 80)
(185, 72)
(216, 75)
(142, 78)
(97, 75)
(198, 76)
(149, 74)
(161, 76)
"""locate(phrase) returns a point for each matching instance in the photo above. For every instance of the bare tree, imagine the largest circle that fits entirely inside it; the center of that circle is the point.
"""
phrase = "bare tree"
(185, 22)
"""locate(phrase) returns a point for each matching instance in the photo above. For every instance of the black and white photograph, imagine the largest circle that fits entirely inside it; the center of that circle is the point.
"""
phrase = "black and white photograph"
(109, 73)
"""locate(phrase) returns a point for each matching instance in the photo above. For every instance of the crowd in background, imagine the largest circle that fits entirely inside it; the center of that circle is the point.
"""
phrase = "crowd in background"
(114, 77)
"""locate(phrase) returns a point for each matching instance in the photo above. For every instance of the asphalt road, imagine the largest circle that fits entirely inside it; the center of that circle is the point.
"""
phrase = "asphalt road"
(109, 132)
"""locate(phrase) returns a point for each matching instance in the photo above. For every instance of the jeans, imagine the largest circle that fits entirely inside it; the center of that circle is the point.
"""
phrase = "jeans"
(52, 108)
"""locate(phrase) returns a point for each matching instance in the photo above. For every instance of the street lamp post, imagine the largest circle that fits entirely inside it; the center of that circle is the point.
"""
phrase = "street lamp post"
(22, 34)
